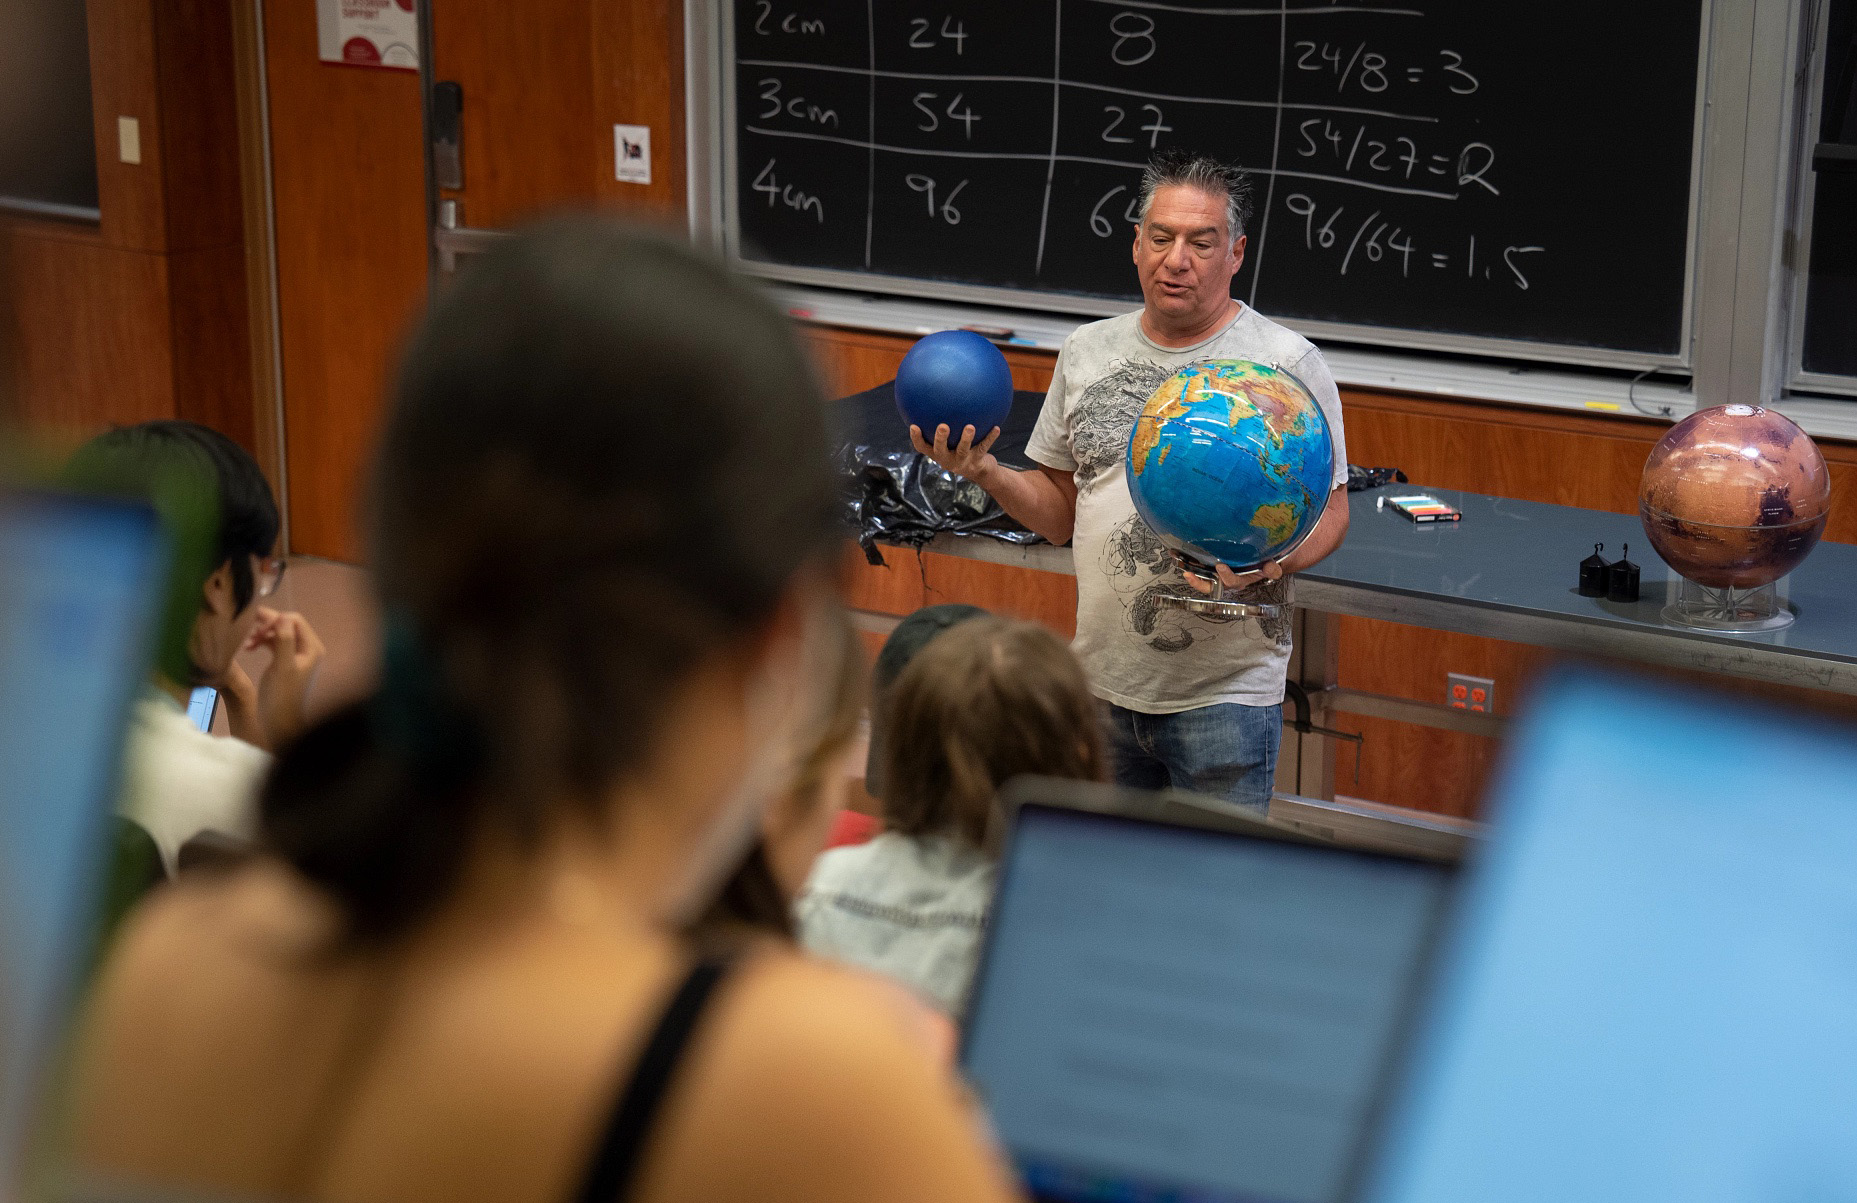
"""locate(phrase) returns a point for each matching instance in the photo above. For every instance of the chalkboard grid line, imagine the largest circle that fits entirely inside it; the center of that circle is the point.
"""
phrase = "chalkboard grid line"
(788, 65)
(1057, 96)
(1261, 12)
(1276, 142)
(1005, 155)
(870, 175)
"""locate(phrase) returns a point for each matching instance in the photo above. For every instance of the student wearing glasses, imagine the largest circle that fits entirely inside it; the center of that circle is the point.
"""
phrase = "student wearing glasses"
(179, 781)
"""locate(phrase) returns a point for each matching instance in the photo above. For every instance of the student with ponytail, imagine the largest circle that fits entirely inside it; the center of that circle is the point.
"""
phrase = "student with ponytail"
(603, 539)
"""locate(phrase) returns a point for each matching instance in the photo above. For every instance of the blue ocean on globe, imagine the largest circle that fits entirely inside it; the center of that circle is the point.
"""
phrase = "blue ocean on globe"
(1231, 461)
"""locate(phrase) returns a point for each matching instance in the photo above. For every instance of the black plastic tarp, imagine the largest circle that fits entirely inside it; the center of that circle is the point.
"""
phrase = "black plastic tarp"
(894, 493)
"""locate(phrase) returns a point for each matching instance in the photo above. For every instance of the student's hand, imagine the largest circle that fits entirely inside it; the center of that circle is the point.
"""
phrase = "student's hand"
(963, 459)
(1269, 570)
(238, 697)
(296, 652)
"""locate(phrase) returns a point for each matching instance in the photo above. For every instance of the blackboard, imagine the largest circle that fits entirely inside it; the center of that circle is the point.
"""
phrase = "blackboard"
(54, 165)
(1500, 174)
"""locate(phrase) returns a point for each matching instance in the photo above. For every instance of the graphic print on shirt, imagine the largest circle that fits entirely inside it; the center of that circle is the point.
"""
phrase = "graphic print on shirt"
(1141, 572)
(1105, 414)
(1133, 558)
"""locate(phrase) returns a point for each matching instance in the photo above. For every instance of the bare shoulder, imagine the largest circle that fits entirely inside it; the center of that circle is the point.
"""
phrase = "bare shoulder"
(177, 1032)
(794, 1008)
(819, 1083)
(199, 936)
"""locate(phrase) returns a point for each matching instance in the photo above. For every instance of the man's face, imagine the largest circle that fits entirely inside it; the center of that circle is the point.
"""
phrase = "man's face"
(1186, 257)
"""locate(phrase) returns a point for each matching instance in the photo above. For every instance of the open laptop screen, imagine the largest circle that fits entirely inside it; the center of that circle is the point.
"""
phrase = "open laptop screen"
(1652, 992)
(79, 583)
(1168, 1012)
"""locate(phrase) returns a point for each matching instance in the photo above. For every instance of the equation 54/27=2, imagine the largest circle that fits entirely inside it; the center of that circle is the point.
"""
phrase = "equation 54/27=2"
(1380, 241)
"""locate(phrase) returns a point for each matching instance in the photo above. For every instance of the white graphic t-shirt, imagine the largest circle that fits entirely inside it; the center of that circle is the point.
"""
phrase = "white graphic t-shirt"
(1139, 654)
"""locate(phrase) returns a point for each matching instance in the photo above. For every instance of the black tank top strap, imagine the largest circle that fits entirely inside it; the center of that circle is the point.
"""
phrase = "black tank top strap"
(622, 1144)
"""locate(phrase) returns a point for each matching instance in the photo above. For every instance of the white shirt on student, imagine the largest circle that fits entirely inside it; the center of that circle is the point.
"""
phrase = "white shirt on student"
(910, 907)
(179, 781)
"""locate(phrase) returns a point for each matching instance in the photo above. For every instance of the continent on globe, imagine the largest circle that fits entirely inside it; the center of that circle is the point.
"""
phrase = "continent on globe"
(1231, 462)
(1276, 520)
(1735, 496)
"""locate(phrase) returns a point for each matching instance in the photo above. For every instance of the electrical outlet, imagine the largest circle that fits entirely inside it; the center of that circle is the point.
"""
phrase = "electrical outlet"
(1462, 692)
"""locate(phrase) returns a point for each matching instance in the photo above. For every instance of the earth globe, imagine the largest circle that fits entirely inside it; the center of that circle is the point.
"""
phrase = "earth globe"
(1230, 463)
(1734, 498)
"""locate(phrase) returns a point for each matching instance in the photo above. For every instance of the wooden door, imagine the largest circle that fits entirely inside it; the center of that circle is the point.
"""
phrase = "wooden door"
(543, 84)
(348, 182)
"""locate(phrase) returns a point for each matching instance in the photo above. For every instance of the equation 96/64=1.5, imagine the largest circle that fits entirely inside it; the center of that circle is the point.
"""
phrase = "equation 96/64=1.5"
(1378, 241)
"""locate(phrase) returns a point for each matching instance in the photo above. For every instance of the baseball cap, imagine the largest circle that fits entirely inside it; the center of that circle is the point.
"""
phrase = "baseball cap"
(910, 636)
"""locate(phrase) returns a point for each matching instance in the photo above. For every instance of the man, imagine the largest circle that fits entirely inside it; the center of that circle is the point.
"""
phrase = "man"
(178, 781)
(1195, 702)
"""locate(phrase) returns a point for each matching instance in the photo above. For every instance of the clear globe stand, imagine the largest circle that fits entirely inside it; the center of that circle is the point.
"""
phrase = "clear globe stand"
(1214, 604)
(1712, 608)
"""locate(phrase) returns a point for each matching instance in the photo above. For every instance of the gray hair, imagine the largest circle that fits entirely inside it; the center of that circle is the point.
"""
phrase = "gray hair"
(1174, 167)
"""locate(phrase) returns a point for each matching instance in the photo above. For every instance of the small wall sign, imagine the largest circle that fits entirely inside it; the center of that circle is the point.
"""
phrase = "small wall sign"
(632, 154)
(368, 33)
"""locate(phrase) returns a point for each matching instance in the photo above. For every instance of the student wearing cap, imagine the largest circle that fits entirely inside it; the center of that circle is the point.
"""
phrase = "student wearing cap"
(982, 701)
(911, 635)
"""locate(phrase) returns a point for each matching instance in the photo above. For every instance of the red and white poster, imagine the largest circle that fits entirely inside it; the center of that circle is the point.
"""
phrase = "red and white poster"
(368, 33)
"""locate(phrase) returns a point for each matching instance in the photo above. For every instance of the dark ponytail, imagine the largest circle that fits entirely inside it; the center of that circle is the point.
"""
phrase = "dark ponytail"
(606, 460)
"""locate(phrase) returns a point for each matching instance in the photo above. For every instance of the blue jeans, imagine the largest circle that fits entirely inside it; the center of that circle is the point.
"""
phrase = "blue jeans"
(1227, 750)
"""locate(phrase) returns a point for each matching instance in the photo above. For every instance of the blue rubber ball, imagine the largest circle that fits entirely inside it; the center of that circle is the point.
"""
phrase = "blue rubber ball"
(956, 377)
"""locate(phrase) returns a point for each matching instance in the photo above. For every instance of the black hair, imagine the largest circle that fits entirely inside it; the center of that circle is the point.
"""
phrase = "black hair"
(247, 512)
(214, 502)
(605, 461)
(1177, 167)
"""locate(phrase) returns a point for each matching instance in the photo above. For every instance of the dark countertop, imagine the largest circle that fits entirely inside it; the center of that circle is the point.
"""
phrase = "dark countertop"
(1519, 562)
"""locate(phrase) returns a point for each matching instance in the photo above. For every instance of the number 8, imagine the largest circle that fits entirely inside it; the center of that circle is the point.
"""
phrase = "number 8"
(1131, 27)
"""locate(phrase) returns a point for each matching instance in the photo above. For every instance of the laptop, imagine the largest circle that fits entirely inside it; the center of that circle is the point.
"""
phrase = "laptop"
(1179, 1001)
(1650, 993)
(80, 586)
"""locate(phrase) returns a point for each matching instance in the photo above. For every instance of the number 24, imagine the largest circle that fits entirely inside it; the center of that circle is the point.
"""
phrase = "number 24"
(921, 39)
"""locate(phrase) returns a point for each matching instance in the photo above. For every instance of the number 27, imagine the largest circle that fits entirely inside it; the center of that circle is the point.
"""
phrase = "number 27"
(1153, 129)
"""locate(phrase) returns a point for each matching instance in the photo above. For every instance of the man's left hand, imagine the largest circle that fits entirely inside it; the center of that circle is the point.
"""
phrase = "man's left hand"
(1269, 570)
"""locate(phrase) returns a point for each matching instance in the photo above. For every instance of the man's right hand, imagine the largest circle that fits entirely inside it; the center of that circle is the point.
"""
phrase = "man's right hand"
(964, 459)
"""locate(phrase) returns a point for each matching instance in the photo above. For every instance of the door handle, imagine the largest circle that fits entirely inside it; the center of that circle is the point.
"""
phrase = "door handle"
(448, 135)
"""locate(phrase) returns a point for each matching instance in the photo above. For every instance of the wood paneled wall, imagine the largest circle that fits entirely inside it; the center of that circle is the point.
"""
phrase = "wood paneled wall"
(1509, 451)
(143, 315)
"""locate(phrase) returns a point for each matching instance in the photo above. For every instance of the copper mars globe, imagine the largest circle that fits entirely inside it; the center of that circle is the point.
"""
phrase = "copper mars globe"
(1734, 497)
